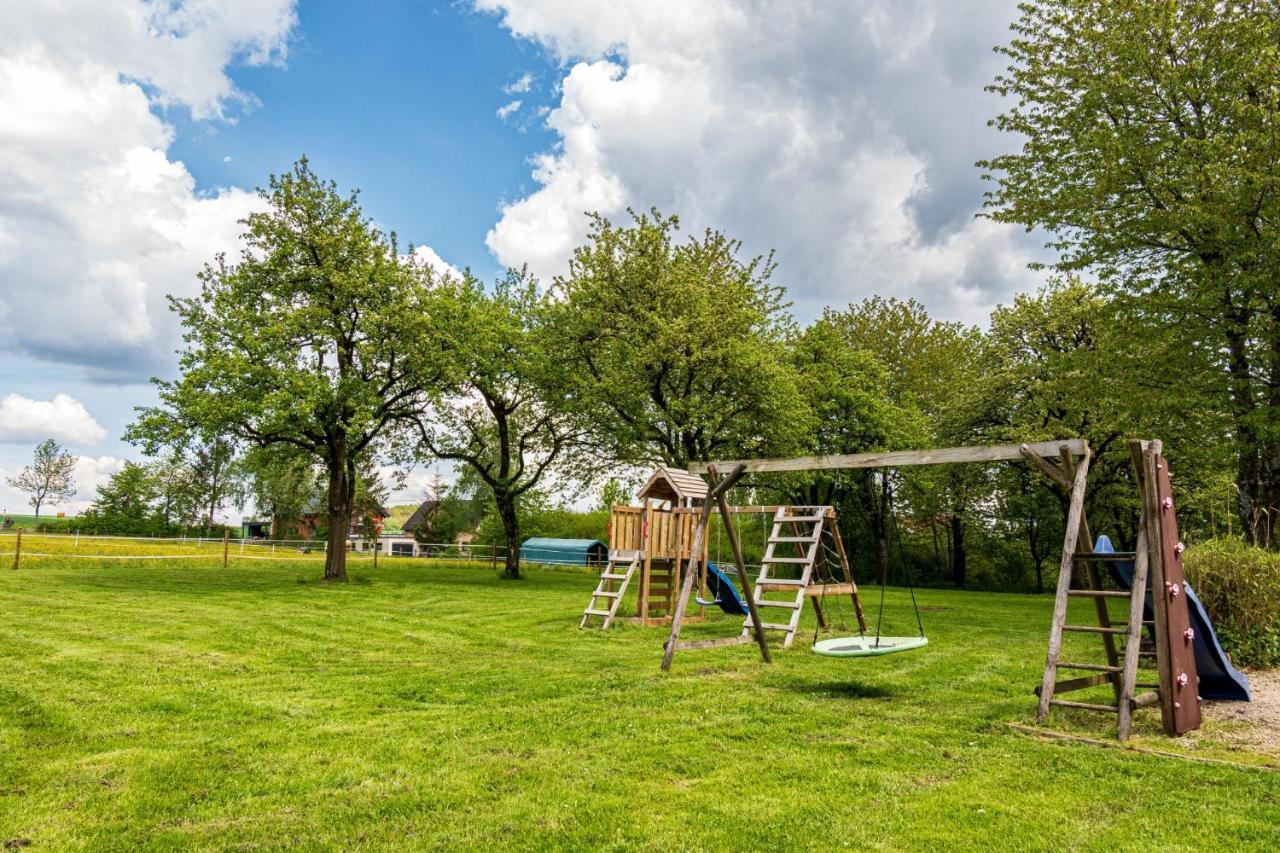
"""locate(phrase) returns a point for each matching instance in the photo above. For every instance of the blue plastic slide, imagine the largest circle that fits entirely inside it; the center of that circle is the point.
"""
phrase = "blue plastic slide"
(726, 596)
(1218, 678)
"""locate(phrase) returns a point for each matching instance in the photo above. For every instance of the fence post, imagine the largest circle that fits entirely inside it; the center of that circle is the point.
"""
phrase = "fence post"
(375, 549)
(17, 549)
(226, 544)
(493, 556)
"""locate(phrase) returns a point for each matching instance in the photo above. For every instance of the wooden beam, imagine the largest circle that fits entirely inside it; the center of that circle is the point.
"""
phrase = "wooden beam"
(897, 458)
(1053, 472)
(736, 547)
(1070, 541)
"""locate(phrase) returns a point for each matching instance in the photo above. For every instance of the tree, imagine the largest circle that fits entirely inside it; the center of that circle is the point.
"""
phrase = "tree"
(926, 368)
(215, 473)
(281, 481)
(126, 501)
(1150, 155)
(512, 418)
(48, 477)
(323, 337)
(677, 350)
(176, 499)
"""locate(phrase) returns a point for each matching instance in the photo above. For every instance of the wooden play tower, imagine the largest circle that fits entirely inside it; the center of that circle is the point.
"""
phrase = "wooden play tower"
(658, 544)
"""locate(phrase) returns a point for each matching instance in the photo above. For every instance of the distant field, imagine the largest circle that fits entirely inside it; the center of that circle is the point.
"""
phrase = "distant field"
(27, 521)
(173, 705)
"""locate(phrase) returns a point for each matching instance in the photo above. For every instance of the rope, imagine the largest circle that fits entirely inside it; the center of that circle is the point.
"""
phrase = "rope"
(906, 570)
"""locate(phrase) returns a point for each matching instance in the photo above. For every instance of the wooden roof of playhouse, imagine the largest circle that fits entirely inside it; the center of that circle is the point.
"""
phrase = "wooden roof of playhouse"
(670, 484)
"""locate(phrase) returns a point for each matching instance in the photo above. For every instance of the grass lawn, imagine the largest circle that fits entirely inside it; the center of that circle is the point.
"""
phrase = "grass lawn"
(167, 704)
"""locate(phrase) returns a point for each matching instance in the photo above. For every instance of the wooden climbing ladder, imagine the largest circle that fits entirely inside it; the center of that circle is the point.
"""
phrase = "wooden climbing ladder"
(1156, 557)
(794, 543)
(629, 561)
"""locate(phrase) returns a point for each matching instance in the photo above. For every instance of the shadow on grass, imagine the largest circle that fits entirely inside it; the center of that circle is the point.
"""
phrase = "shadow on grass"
(844, 689)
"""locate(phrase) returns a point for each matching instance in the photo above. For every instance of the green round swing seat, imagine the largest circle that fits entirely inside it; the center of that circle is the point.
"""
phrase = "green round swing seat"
(859, 647)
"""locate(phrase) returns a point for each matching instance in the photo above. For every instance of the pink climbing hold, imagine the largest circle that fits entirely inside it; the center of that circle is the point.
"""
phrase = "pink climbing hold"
(1182, 679)
(1189, 634)
(1174, 590)
(1179, 548)
(1167, 503)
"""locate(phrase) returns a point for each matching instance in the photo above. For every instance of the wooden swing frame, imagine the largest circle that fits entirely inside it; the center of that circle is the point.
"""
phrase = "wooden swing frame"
(1157, 554)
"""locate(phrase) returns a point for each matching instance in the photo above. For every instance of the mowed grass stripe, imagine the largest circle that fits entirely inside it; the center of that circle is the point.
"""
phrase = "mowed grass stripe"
(177, 705)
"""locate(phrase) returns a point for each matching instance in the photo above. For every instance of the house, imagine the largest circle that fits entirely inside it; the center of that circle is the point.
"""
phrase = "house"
(469, 514)
(316, 515)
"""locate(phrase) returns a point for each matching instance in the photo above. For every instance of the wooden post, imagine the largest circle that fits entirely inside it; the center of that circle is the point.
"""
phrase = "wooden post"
(741, 565)
(1070, 541)
(1095, 582)
(375, 549)
(646, 532)
(226, 544)
(1137, 597)
(17, 549)
(691, 574)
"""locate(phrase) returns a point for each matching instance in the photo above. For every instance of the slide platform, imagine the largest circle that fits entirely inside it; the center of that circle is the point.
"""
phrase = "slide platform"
(1218, 678)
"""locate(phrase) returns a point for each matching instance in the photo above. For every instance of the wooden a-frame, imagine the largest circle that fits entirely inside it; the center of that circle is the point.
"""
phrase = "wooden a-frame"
(1157, 555)
(715, 494)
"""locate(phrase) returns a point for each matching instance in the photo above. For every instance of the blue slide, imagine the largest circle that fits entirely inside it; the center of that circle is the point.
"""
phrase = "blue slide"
(726, 595)
(1218, 678)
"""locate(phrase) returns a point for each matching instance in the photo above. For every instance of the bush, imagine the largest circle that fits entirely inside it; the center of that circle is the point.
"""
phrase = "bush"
(1240, 587)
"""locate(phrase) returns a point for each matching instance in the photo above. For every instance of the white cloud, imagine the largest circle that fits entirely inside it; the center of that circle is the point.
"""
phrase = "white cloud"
(508, 108)
(429, 257)
(95, 219)
(90, 472)
(843, 135)
(64, 419)
(519, 86)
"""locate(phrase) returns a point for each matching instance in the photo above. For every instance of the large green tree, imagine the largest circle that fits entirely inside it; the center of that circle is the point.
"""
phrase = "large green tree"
(927, 370)
(677, 348)
(322, 337)
(514, 416)
(1150, 153)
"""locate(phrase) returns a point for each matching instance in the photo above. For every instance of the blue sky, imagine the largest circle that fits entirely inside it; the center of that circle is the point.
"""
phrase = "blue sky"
(402, 104)
(841, 134)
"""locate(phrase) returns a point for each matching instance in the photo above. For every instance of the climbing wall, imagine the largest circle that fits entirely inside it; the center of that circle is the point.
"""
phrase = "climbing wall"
(1183, 713)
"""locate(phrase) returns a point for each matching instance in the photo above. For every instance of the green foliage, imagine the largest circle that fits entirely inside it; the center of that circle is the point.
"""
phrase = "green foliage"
(456, 514)
(513, 416)
(1239, 585)
(540, 517)
(1149, 152)
(322, 337)
(676, 349)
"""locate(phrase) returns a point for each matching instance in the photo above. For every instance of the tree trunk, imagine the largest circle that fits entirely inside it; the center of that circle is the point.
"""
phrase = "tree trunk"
(511, 528)
(959, 561)
(341, 487)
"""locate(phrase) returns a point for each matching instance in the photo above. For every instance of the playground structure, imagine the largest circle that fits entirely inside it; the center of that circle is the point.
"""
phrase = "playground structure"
(660, 543)
(1156, 564)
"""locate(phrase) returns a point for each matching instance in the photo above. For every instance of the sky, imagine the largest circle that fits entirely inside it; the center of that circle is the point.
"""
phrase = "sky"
(842, 135)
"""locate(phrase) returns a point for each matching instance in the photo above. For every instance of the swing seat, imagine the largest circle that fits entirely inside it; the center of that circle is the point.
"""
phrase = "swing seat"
(859, 647)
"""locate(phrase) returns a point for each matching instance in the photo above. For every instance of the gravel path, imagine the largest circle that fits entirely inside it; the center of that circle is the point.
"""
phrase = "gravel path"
(1259, 720)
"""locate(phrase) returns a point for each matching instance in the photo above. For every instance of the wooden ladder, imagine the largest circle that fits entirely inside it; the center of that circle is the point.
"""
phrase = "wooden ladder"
(1155, 556)
(806, 545)
(605, 589)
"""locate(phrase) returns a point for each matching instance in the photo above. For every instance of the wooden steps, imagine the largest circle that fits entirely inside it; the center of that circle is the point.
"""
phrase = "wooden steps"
(1156, 556)
(606, 590)
(788, 535)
